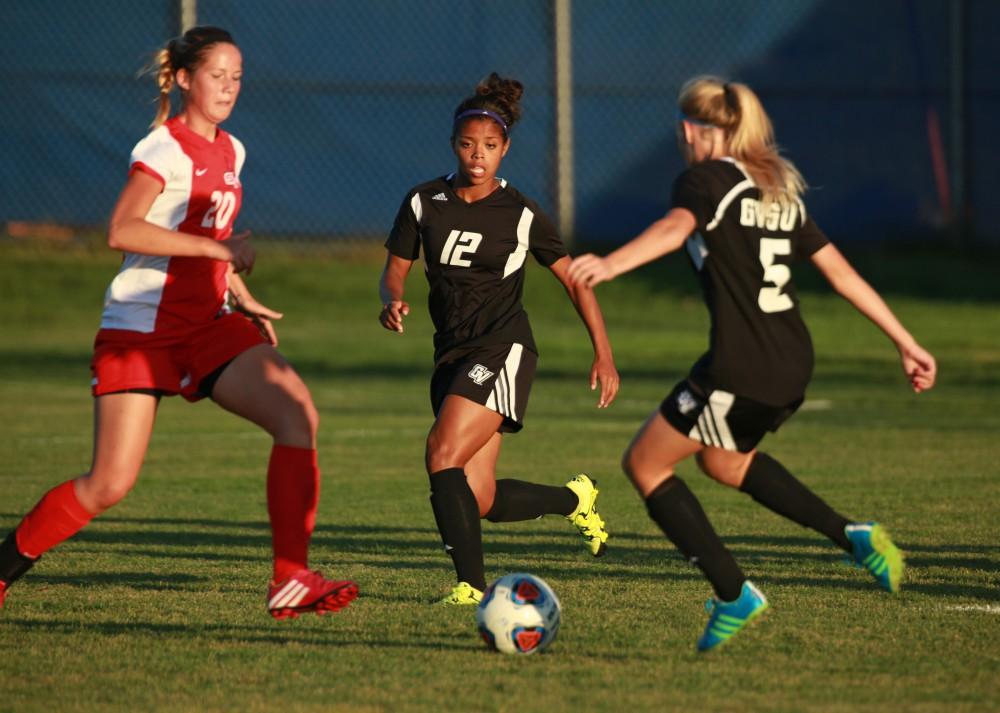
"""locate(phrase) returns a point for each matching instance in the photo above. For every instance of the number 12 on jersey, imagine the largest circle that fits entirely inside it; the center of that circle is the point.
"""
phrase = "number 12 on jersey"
(771, 299)
(458, 244)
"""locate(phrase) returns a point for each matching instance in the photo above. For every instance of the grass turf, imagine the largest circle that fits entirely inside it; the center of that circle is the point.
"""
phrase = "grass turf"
(158, 605)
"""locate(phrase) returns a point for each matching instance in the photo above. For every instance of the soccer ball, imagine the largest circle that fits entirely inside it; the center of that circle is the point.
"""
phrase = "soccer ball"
(519, 614)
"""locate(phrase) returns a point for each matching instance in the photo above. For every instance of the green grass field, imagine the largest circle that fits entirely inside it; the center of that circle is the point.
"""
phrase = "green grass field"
(158, 605)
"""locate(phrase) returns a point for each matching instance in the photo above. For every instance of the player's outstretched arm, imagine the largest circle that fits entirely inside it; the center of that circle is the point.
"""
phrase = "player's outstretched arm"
(390, 289)
(918, 364)
(603, 370)
(662, 237)
(248, 305)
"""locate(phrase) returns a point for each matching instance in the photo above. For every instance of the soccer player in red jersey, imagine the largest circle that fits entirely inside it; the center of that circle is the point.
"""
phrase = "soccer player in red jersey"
(168, 329)
(738, 211)
(475, 231)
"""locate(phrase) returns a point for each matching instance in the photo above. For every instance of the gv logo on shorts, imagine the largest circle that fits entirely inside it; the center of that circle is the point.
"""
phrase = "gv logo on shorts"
(686, 402)
(479, 374)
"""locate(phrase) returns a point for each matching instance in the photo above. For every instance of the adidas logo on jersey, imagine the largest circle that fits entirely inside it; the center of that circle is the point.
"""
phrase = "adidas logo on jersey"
(439, 197)
(479, 374)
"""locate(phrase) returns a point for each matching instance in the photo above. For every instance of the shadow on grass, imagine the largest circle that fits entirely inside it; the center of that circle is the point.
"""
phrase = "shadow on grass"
(133, 580)
(548, 553)
(294, 635)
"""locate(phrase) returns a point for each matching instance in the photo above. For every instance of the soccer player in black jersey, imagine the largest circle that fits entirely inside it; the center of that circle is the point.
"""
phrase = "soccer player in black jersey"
(475, 231)
(738, 211)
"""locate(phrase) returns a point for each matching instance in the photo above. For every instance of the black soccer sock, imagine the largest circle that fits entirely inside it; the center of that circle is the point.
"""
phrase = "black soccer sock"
(457, 516)
(12, 563)
(679, 514)
(520, 500)
(775, 488)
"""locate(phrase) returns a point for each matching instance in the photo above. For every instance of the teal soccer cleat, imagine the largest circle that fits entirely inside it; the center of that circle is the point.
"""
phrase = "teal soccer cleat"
(874, 551)
(729, 618)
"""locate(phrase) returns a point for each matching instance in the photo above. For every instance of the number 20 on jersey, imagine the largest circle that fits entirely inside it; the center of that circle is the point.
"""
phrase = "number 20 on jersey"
(218, 214)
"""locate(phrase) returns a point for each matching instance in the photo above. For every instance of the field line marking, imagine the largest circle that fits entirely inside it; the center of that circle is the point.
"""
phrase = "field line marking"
(817, 405)
(987, 608)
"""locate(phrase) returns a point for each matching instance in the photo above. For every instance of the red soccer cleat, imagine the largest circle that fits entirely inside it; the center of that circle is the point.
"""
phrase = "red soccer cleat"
(3, 593)
(307, 591)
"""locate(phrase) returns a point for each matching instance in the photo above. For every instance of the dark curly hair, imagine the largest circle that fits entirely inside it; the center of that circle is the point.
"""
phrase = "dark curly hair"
(494, 95)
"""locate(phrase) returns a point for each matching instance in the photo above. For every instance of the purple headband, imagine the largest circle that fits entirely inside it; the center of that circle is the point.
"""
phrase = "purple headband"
(482, 112)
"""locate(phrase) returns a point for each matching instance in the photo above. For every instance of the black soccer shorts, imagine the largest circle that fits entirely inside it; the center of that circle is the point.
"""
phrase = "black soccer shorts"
(497, 376)
(722, 419)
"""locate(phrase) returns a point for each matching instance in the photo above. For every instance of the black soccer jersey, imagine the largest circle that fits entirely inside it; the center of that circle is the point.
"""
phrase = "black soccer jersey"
(759, 345)
(474, 261)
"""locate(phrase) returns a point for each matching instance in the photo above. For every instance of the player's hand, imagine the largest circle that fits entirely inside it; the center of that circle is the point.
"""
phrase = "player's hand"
(919, 366)
(589, 270)
(392, 315)
(260, 315)
(603, 372)
(239, 252)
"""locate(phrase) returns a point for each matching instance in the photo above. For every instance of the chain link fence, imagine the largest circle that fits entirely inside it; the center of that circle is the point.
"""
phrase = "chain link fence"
(345, 105)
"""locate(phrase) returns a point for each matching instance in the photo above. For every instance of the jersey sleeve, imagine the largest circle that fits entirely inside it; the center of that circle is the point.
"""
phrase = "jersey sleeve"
(691, 192)
(810, 239)
(543, 238)
(155, 156)
(241, 154)
(404, 239)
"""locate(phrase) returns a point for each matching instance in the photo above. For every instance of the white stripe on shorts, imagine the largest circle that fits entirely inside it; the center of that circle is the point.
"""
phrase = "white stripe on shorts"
(503, 400)
(712, 428)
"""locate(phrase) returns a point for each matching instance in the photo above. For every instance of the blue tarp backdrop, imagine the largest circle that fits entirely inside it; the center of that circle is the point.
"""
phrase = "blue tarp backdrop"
(346, 105)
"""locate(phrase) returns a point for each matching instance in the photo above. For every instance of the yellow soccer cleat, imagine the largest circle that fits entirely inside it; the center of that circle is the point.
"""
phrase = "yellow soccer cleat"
(585, 517)
(463, 594)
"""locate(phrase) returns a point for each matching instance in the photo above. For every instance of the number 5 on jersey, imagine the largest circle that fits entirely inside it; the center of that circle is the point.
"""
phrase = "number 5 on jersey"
(458, 244)
(771, 299)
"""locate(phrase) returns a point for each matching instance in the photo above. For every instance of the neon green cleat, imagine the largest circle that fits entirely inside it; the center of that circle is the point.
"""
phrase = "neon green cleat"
(585, 517)
(462, 595)
(875, 551)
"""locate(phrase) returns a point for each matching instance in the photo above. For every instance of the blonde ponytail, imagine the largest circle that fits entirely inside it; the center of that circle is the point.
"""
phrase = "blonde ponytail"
(165, 81)
(736, 109)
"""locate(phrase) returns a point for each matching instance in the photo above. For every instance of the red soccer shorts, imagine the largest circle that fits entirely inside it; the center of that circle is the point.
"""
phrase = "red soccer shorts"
(173, 364)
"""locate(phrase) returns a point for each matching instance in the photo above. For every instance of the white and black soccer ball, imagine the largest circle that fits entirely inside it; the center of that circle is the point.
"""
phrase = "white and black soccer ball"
(519, 614)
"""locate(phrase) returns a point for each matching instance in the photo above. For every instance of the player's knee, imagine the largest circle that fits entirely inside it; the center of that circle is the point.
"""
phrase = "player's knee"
(442, 453)
(98, 492)
(311, 418)
(298, 421)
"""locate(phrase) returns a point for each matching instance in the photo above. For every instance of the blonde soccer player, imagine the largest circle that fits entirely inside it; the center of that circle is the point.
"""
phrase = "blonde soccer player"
(738, 212)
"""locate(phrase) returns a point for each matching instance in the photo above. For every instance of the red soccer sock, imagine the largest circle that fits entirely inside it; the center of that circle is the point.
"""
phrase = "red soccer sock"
(57, 517)
(292, 497)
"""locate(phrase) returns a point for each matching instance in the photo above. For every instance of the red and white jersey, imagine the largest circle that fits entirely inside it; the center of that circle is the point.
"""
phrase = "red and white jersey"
(201, 195)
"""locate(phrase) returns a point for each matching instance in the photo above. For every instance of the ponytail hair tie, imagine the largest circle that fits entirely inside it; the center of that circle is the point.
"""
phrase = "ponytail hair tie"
(731, 101)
